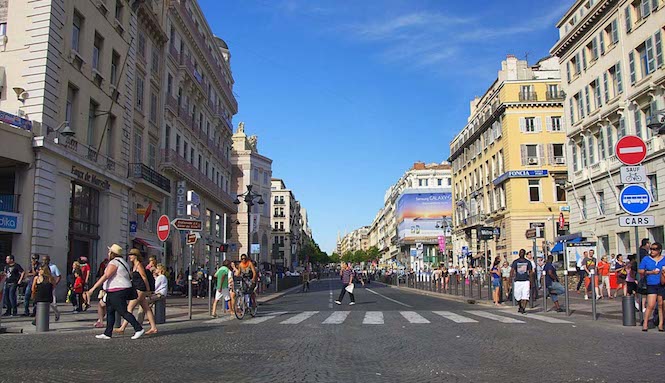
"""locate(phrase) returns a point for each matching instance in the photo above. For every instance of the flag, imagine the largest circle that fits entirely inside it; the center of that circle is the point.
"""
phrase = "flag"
(148, 210)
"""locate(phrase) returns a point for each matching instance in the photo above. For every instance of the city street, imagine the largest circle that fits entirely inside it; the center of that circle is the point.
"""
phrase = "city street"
(389, 335)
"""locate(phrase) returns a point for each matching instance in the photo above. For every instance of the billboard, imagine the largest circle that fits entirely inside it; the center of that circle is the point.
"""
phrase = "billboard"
(575, 253)
(420, 216)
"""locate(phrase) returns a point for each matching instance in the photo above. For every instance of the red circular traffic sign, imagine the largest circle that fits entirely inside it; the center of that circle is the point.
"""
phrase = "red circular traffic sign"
(163, 228)
(631, 150)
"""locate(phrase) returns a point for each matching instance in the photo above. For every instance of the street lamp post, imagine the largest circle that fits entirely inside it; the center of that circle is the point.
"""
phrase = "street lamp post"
(249, 197)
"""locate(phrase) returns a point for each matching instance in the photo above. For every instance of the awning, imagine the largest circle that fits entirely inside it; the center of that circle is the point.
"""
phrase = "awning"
(149, 244)
(558, 248)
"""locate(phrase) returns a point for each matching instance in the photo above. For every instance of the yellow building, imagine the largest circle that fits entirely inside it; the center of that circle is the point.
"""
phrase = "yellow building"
(509, 164)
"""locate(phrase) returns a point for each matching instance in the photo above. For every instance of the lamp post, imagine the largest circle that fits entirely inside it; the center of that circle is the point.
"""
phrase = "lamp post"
(249, 197)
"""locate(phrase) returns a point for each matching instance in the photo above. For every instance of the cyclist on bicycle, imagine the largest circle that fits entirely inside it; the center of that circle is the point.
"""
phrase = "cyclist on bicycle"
(249, 276)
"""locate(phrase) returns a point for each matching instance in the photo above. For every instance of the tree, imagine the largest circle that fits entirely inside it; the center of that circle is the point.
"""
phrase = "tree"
(373, 254)
(335, 258)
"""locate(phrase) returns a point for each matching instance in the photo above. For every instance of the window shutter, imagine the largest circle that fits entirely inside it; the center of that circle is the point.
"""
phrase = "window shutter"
(594, 49)
(584, 58)
(548, 123)
(654, 5)
(619, 78)
(568, 71)
(541, 154)
(646, 8)
(610, 140)
(631, 65)
(522, 124)
(550, 154)
(659, 49)
(574, 155)
(622, 127)
(651, 64)
(602, 43)
(537, 121)
(523, 154)
(607, 88)
(629, 24)
(587, 100)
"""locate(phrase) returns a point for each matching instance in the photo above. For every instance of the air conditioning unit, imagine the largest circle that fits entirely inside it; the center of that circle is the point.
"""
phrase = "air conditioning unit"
(533, 161)
(560, 161)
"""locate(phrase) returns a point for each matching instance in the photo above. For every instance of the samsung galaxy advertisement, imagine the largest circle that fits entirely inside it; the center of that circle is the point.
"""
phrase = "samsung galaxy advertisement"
(420, 216)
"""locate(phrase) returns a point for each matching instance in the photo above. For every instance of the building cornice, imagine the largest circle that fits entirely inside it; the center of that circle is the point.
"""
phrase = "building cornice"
(567, 42)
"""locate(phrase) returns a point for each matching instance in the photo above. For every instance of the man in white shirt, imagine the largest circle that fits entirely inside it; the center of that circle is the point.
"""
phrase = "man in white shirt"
(55, 273)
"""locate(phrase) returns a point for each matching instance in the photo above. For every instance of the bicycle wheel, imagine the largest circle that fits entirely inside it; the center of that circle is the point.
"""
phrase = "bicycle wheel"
(240, 307)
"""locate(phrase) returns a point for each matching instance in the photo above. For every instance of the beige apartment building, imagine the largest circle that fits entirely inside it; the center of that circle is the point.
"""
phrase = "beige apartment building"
(251, 168)
(357, 239)
(613, 69)
(509, 166)
(287, 234)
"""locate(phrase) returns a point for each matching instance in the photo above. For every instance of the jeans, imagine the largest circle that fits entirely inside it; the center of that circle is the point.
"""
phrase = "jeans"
(10, 298)
(117, 301)
(28, 295)
(582, 275)
(341, 294)
(555, 290)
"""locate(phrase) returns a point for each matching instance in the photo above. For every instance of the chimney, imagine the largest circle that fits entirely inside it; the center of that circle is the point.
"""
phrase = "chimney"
(419, 165)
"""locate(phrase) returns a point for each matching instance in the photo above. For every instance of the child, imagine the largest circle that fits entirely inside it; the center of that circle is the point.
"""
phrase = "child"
(78, 290)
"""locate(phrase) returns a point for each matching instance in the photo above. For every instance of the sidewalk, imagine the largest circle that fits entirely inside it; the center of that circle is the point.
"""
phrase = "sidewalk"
(177, 311)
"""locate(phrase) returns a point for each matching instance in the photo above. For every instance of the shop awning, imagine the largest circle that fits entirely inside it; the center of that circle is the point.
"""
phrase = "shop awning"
(558, 248)
(150, 244)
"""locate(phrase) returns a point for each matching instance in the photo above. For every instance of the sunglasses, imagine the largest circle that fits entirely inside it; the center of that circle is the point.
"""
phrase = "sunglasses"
(655, 248)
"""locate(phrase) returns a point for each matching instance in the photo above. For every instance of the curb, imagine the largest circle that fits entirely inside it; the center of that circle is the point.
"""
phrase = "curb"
(467, 300)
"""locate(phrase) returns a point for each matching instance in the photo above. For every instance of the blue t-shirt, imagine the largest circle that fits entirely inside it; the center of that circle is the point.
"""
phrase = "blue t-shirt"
(549, 267)
(496, 275)
(650, 264)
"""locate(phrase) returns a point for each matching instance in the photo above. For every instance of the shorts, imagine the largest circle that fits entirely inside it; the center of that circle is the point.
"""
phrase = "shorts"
(631, 287)
(655, 289)
(496, 283)
(223, 295)
(522, 290)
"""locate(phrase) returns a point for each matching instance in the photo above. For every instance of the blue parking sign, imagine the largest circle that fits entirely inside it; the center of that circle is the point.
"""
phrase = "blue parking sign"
(635, 199)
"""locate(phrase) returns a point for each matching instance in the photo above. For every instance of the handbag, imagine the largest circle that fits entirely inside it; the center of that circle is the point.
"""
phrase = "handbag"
(642, 286)
(349, 289)
(131, 294)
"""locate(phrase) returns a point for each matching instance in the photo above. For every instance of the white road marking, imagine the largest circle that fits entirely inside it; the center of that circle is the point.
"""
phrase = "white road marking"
(262, 319)
(373, 317)
(540, 318)
(390, 299)
(220, 320)
(491, 316)
(300, 317)
(330, 300)
(337, 317)
(413, 317)
(455, 317)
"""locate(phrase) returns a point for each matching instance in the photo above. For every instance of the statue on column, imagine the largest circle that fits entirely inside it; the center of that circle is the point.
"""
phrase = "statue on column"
(241, 127)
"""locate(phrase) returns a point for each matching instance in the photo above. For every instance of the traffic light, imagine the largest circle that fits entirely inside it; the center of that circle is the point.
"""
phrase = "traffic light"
(224, 247)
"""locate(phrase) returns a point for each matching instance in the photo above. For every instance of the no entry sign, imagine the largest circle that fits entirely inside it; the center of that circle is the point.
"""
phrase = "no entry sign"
(631, 150)
(163, 228)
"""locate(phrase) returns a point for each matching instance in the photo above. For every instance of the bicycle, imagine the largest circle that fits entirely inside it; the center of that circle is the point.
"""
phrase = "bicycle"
(633, 177)
(244, 302)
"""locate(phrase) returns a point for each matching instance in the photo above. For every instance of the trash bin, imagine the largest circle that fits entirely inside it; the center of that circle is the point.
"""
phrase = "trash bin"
(628, 310)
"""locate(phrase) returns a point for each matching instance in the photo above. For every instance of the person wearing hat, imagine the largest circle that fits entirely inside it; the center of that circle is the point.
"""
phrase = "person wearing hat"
(118, 285)
(85, 274)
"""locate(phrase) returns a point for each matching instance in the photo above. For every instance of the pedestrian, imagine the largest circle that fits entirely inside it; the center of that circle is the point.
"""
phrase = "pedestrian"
(56, 278)
(85, 269)
(521, 271)
(118, 285)
(505, 277)
(631, 276)
(644, 249)
(152, 263)
(31, 274)
(347, 284)
(651, 267)
(101, 309)
(77, 288)
(141, 282)
(581, 272)
(533, 276)
(234, 280)
(552, 284)
(305, 280)
(42, 286)
(604, 274)
(222, 293)
(496, 281)
(620, 270)
(161, 289)
(14, 275)
(591, 281)
(71, 278)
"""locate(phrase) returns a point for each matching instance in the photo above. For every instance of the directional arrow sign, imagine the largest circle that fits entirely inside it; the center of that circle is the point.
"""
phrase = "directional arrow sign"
(191, 238)
(187, 224)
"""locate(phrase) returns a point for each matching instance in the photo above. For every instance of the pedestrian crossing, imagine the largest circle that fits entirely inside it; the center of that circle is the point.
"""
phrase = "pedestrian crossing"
(370, 318)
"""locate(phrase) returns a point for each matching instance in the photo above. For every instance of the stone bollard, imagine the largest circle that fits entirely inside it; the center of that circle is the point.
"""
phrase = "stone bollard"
(42, 316)
(160, 311)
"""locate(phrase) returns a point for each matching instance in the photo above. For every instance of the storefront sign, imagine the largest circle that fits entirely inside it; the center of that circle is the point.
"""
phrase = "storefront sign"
(15, 120)
(181, 198)
(485, 233)
(520, 174)
(11, 222)
(91, 178)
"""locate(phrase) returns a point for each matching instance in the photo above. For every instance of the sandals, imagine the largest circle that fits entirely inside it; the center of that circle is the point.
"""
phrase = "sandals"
(151, 331)
(118, 331)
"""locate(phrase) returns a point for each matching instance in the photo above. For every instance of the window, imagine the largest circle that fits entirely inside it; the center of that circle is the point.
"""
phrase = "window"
(185, 151)
(653, 186)
(3, 29)
(218, 226)
(622, 127)
(84, 210)
(199, 162)
(152, 154)
(580, 105)
(138, 146)
(593, 49)
(177, 143)
(153, 107)
(92, 113)
(571, 107)
(115, 62)
(422, 182)
(576, 165)
(207, 169)
(256, 174)
(631, 65)
(587, 100)
(629, 24)
(560, 189)
(209, 223)
(439, 182)
(530, 155)
(592, 155)
(167, 137)
(583, 156)
(139, 92)
(583, 207)
(118, 10)
(597, 93)
(169, 84)
(646, 55)
(557, 154)
(534, 190)
(659, 49)
(601, 145)
(530, 125)
(554, 124)
(77, 24)
(601, 202)
(449, 182)
(70, 106)
(96, 51)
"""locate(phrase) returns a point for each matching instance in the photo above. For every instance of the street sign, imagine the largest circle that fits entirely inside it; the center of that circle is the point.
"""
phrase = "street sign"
(187, 224)
(635, 199)
(163, 228)
(633, 174)
(631, 150)
(485, 233)
(191, 238)
(534, 232)
(637, 220)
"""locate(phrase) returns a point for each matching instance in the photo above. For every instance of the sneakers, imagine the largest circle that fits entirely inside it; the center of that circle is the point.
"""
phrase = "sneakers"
(57, 316)
(352, 303)
(102, 336)
(586, 297)
(138, 334)
(338, 302)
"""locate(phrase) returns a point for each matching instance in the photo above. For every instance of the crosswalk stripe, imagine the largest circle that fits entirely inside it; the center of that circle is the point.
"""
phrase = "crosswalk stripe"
(220, 320)
(261, 319)
(337, 317)
(455, 317)
(300, 317)
(540, 318)
(413, 317)
(491, 316)
(373, 317)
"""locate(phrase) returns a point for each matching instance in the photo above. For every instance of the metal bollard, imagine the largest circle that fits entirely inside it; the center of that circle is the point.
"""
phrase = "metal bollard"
(566, 297)
(480, 288)
(42, 317)
(512, 289)
(456, 285)
(544, 293)
(160, 311)
(189, 294)
(628, 310)
(592, 273)
(464, 285)
(210, 294)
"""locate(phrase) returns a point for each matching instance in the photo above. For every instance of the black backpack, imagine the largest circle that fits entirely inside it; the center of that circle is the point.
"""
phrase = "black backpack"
(151, 280)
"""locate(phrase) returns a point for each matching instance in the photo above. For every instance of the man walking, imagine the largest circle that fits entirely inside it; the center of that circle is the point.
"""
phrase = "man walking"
(14, 274)
(347, 284)
(552, 284)
(222, 293)
(581, 273)
(521, 272)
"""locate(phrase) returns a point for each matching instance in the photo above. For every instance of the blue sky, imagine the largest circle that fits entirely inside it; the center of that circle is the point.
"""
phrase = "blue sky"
(346, 95)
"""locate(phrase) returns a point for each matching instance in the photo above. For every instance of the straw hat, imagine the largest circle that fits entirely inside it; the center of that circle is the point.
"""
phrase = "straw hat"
(115, 249)
(135, 251)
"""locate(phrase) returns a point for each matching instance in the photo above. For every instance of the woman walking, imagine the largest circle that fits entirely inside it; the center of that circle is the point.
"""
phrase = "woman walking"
(505, 276)
(631, 274)
(42, 286)
(604, 274)
(142, 285)
(651, 268)
(117, 284)
(620, 269)
(496, 281)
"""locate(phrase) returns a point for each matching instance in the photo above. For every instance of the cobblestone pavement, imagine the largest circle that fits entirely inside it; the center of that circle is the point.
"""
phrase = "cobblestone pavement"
(389, 335)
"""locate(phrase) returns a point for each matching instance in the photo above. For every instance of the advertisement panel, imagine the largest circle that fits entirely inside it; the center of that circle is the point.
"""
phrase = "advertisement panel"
(575, 253)
(420, 216)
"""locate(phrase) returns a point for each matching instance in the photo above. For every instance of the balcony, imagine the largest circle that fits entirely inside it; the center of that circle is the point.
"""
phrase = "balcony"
(555, 96)
(278, 202)
(138, 170)
(89, 154)
(9, 202)
(173, 52)
(281, 215)
(172, 104)
(528, 96)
